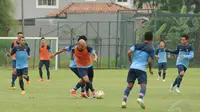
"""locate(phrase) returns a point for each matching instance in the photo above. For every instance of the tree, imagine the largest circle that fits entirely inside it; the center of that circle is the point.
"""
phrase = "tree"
(7, 11)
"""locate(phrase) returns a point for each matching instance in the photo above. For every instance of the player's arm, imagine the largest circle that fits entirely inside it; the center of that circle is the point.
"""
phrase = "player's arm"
(190, 55)
(49, 49)
(157, 50)
(130, 52)
(92, 51)
(173, 52)
(12, 46)
(67, 48)
(28, 52)
(13, 51)
(150, 61)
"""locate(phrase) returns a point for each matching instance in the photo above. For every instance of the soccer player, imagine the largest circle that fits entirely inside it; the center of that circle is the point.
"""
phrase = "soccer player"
(84, 62)
(22, 53)
(14, 44)
(185, 53)
(161, 54)
(139, 56)
(45, 53)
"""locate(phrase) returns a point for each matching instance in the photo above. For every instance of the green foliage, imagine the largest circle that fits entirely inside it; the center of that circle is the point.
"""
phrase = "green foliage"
(7, 17)
(160, 30)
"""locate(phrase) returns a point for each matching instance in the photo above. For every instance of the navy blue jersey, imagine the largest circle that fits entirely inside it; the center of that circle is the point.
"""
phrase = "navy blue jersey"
(12, 45)
(22, 53)
(186, 51)
(162, 54)
(141, 53)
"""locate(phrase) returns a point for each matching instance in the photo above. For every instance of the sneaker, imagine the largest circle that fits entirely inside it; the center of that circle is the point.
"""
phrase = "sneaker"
(23, 92)
(93, 94)
(141, 102)
(123, 104)
(40, 80)
(88, 93)
(28, 83)
(178, 90)
(48, 80)
(73, 92)
(158, 78)
(163, 80)
(84, 95)
(12, 87)
(171, 88)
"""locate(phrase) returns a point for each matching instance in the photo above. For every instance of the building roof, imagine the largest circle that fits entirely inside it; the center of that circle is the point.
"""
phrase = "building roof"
(77, 8)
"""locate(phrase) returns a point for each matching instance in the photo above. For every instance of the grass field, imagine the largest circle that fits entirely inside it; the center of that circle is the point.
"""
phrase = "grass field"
(55, 96)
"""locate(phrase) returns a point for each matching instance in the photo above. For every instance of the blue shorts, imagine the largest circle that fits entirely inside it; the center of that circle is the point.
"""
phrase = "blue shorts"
(23, 71)
(13, 63)
(181, 68)
(82, 72)
(162, 66)
(75, 70)
(134, 74)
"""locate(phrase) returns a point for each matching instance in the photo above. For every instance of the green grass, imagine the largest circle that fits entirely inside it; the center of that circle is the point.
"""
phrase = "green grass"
(55, 96)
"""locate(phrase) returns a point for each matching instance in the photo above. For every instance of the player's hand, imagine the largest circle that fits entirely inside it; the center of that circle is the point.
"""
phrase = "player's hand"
(95, 59)
(182, 56)
(7, 54)
(130, 63)
(151, 72)
(52, 56)
(157, 56)
(29, 57)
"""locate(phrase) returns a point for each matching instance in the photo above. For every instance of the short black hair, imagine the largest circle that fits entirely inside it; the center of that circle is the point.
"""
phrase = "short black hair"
(185, 36)
(82, 37)
(19, 33)
(148, 36)
(42, 38)
(162, 41)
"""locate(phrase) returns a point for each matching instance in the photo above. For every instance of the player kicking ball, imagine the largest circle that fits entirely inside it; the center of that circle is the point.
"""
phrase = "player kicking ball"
(22, 53)
(161, 55)
(185, 53)
(139, 56)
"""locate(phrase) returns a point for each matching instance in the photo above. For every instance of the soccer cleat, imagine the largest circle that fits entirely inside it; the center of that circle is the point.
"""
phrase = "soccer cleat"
(23, 92)
(163, 80)
(171, 88)
(48, 80)
(158, 78)
(88, 93)
(12, 87)
(178, 90)
(73, 92)
(28, 83)
(40, 80)
(84, 95)
(141, 102)
(123, 104)
(93, 94)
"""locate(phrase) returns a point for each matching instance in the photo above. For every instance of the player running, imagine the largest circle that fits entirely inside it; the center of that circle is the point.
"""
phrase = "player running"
(161, 54)
(45, 53)
(139, 56)
(22, 53)
(185, 53)
(14, 76)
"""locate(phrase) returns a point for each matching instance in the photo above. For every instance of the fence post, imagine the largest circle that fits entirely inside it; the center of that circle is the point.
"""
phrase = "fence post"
(97, 45)
(109, 45)
(117, 41)
(58, 35)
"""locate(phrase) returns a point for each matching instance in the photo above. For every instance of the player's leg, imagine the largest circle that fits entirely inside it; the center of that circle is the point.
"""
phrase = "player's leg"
(91, 76)
(142, 80)
(164, 71)
(14, 74)
(159, 70)
(40, 71)
(180, 78)
(130, 80)
(21, 82)
(25, 75)
(47, 64)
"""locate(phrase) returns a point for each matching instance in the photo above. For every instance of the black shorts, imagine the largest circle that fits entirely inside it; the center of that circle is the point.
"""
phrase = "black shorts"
(162, 66)
(75, 70)
(44, 62)
(23, 71)
(134, 74)
(181, 68)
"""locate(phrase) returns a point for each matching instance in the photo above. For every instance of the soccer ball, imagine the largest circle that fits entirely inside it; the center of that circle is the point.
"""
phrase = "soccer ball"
(99, 94)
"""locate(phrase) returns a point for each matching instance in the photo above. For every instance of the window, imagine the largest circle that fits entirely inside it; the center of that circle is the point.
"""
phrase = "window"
(122, 0)
(46, 3)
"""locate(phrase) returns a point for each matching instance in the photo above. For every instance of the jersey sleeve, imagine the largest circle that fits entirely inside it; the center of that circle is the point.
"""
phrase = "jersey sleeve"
(69, 48)
(14, 50)
(191, 54)
(90, 50)
(26, 44)
(12, 45)
(28, 50)
(49, 48)
(157, 51)
(132, 48)
(151, 53)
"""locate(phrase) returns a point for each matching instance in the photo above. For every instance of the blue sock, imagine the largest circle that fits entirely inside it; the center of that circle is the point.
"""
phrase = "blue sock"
(159, 73)
(82, 89)
(78, 85)
(27, 78)
(142, 92)
(14, 77)
(21, 83)
(175, 82)
(179, 80)
(126, 93)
